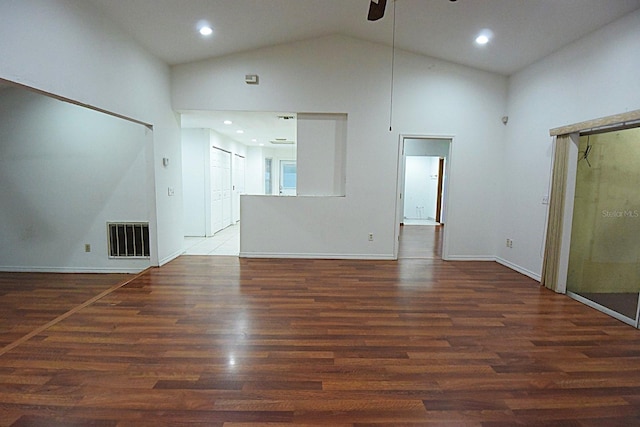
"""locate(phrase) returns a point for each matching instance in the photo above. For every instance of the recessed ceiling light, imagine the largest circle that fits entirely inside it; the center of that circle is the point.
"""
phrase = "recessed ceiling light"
(484, 37)
(239, 131)
(228, 122)
(206, 30)
(254, 140)
(261, 145)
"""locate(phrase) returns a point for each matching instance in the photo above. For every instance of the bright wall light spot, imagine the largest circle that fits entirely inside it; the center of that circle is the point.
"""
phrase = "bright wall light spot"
(205, 30)
(239, 131)
(228, 122)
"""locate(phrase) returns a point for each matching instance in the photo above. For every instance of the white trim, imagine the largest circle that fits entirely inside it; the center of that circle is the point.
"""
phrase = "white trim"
(104, 270)
(386, 257)
(171, 257)
(399, 196)
(470, 258)
(521, 270)
(567, 220)
(400, 171)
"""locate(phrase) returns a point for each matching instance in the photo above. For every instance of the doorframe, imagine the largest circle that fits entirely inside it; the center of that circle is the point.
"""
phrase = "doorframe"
(400, 179)
(440, 191)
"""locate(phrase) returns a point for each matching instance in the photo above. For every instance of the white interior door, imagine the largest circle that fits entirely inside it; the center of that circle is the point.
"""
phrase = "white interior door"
(288, 177)
(216, 190)
(220, 189)
(238, 185)
(226, 189)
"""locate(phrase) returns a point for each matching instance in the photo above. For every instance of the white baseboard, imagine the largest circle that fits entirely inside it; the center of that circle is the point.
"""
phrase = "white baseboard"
(388, 257)
(519, 269)
(102, 270)
(469, 258)
(170, 257)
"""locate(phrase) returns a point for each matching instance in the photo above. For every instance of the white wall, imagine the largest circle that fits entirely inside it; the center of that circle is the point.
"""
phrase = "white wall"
(321, 154)
(594, 77)
(340, 74)
(438, 99)
(195, 175)
(254, 174)
(421, 187)
(65, 172)
(220, 141)
(66, 47)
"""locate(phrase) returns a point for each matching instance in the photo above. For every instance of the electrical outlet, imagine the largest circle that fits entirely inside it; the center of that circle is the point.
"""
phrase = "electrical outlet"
(170, 191)
(509, 243)
(371, 237)
(87, 247)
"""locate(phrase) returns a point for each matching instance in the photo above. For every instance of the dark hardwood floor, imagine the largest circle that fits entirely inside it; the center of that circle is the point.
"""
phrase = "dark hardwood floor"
(31, 300)
(420, 241)
(215, 341)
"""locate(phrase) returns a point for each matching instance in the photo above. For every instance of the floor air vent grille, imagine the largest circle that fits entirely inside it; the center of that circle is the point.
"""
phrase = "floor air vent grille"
(128, 239)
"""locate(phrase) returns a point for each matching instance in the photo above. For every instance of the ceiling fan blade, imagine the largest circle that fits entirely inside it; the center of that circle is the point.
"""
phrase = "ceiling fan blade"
(376, 9)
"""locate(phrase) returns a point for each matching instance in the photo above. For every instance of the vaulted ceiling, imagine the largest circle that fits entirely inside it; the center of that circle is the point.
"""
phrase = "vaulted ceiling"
(524, 30)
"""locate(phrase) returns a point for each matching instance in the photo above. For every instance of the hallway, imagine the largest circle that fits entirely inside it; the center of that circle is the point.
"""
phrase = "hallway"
(224, 243)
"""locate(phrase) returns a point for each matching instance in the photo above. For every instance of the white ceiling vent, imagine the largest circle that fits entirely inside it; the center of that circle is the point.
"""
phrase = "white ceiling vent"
(282, 141)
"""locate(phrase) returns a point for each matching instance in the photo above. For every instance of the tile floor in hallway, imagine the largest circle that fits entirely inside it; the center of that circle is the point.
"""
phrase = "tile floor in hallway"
(408, 221)
(225, 242)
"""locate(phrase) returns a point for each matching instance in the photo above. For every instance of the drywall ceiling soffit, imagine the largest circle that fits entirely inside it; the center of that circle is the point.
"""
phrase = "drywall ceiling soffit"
(525, 30)
(258, 127)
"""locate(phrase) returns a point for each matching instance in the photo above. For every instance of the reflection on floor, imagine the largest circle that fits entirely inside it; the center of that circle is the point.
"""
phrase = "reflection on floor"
(623, 303)
(225, 242)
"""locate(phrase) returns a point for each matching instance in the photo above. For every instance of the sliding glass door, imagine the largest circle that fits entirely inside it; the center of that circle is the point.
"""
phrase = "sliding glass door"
(604, 261)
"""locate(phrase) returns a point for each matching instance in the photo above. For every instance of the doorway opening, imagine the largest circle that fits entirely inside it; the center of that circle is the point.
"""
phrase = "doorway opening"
(421, 209)
(423, 187)
(225, 155)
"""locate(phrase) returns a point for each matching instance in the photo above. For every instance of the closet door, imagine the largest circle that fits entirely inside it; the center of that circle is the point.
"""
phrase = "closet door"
(226, 188)
(217, 188)
(238, 185)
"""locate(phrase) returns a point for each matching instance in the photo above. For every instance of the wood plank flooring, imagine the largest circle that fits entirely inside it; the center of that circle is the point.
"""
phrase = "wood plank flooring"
(222, 341)
(420, 241)
(30, 300)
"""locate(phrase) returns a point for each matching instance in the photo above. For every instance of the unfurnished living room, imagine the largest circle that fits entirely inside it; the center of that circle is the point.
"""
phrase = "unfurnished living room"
(319, 212)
